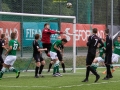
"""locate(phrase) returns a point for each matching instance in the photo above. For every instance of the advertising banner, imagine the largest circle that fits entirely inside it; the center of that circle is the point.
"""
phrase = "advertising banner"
(32, 28)
(83, 31)
(8, 27)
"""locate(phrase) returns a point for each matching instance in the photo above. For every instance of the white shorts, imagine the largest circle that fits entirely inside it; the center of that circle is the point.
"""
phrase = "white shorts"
(115, 58)
(9, 60)
(99, 59)
(53, 55)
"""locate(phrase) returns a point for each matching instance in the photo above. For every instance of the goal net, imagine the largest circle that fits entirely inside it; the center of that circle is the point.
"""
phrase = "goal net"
(27, 25)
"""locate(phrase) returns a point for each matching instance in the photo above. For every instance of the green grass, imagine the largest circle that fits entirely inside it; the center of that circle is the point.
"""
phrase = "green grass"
(69, 81)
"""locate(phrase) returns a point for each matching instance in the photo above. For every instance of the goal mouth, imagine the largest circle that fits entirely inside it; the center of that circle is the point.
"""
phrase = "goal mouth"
(27, 25)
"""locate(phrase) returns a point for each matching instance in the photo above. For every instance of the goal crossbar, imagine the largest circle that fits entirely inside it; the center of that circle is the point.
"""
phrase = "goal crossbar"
(53, 16)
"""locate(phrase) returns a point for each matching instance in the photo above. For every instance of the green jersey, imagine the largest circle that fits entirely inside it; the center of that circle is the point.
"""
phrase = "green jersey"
(116, 47)
(57, 43)
(15, 45)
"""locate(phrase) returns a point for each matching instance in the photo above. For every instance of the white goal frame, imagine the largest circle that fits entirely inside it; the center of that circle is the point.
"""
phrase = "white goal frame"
(53, 16)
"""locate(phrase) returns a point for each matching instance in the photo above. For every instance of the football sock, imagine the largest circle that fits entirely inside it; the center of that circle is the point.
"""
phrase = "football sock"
(2, 72)
(41, 68)
(13, 69)
(57, 67)
(94, 66)
(108, 71)
(111, 66)
(50, 65)
(93, 71)
(1, 66)
(36, 70)
(87, 72)
(63, 66)
(54, 69)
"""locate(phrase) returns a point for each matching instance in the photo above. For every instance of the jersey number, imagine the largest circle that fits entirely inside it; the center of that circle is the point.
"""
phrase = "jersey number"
(15, 46)
(96, 41)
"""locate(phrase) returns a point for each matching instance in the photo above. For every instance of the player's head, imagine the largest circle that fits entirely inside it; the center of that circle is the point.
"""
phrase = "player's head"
(64, 41)
(59, 37)
(47, 25)
(13, 35)
(95, 30)
(118, 38)
(106, 31)
(2, 36)
(37, 36)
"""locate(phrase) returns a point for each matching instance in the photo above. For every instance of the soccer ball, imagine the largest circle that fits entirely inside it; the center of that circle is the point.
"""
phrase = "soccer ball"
(69, 5)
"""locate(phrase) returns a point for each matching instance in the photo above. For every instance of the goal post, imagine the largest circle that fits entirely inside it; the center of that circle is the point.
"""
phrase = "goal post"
(52, 16)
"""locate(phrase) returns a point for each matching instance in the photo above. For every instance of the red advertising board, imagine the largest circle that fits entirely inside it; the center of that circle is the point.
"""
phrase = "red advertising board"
(8, 27)
(83, 31)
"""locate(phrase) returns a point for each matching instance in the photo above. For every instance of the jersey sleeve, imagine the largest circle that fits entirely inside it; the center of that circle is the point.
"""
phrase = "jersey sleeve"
(50, 31)
(3, 43)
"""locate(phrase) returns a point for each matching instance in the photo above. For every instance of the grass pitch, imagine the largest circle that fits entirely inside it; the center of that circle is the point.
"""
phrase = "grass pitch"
(69, 81)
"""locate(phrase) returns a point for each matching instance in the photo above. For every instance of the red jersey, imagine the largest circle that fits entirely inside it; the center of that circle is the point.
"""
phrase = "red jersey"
(46, 33)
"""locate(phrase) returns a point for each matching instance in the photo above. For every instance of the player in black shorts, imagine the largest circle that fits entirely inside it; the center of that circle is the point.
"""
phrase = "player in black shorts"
(108, 55)
(60, 57)
(92, 44)
(40, 62)
(2, 46)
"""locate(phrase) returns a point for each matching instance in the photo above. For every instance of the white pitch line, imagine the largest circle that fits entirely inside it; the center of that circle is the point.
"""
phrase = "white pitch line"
(88, 84)
(69, 86)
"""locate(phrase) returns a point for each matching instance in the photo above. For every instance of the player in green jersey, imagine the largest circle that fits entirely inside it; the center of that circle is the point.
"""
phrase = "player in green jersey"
(11, 56)
(54, 57)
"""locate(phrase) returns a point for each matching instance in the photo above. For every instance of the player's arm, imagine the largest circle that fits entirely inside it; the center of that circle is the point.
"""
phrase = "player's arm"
(101, 43)
(10, 48)
(42, 49)
(55, 46)
(3, 46)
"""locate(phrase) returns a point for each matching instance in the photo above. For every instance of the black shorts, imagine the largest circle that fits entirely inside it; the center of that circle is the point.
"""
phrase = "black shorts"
(59, 55)
(108, 58)
(38, 58)
(1, 59)
(89, 59)
(48, 46)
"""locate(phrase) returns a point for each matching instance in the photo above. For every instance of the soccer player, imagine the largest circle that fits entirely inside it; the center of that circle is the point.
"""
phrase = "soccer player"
(92, 44)
(54, 57)
(100, 58)
(60, 57)
(46, 33)
(2, 46)
(11, 56)
(40, 62)
(108, 55)
(115, 54)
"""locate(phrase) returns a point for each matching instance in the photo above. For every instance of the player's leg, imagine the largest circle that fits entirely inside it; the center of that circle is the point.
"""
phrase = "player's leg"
(37, 59)
(94, 64)
(48, 46)
(89, 61)
(61, 61)
(50, 65)
(13, 59)
(1, 62)
(54, 57)
(5, 65)
(41, 67)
